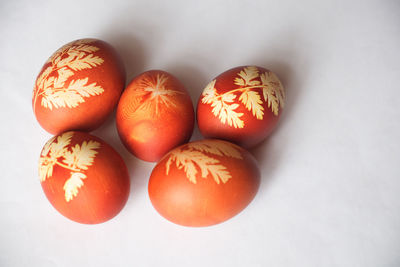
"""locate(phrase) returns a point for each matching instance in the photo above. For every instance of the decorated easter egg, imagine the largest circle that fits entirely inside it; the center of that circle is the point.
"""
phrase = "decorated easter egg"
(78, 86)
(83, 177)
(242, 105)
(203, 183)
(154, 115)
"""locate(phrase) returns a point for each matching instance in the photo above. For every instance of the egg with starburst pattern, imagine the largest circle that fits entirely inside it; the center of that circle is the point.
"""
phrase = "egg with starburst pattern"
(154, 115)
(242, 105)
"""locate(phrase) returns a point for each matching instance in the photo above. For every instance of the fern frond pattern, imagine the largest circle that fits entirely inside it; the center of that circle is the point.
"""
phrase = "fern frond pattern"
(199, 158)
(52, 86)
(77, 159)
(253, 90)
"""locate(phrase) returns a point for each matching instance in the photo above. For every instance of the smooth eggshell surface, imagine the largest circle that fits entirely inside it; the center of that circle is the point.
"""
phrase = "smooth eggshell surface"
(203, 183)
(154, 115)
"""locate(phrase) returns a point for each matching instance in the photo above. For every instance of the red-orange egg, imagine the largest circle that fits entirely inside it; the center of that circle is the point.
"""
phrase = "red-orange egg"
(242, 105)
(83, 177)
(78, 86)
(204, 182)
(154, 115)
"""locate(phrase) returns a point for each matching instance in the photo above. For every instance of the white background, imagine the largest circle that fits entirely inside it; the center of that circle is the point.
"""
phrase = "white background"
(330, 192)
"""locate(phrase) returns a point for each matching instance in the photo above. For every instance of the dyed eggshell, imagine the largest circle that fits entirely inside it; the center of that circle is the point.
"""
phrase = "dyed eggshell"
(83, 177)
(241, 105)
(203, 183)
(78, 86)
(154, 115)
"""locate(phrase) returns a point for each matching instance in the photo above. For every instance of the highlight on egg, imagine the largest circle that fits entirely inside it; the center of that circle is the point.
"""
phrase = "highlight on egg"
(78, 86)
(203, 183)
(83, 177)
(154, 115)
(241, 105)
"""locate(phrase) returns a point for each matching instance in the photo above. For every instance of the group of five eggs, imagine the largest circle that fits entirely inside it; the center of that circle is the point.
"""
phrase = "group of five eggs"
(199, 183)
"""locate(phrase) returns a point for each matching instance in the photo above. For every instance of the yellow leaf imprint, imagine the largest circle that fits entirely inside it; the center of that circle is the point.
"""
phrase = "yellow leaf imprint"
(252, 101)
(222, 107)
(51, 84)
(77, 159)
(195, 156)
(273, 91)
(247, 76)
(151, 96)
(248, 80)
(72, 185)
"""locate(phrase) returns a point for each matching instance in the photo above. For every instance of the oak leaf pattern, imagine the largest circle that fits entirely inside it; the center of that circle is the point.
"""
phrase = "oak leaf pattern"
(249, 82)
(197, 156)
(52, 86)
(76, 158)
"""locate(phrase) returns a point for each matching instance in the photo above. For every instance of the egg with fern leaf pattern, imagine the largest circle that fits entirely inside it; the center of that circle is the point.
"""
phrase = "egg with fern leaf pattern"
(78, 86)
(242, 105)
(83, 177)
(203, 183)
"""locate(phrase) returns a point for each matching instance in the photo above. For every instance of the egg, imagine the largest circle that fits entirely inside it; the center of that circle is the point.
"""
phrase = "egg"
(154, 115)
(83, 177)
(203, 183)
(241, 105)
(78, 86)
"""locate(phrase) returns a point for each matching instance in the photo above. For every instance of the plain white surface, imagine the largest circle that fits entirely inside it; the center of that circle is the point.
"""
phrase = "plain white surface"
(330, 192)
